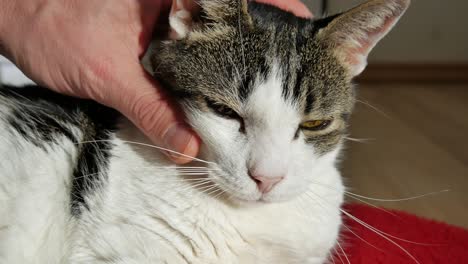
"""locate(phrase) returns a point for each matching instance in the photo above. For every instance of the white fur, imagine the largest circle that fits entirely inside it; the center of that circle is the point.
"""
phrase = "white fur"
(147, 212)
(34, 198)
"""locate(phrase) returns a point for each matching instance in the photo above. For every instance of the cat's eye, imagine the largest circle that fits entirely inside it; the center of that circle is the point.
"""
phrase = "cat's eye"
(315, 125)
(222, 109)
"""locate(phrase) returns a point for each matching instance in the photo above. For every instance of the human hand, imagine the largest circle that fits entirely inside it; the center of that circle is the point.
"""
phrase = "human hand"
(295, 6)
(92, 49)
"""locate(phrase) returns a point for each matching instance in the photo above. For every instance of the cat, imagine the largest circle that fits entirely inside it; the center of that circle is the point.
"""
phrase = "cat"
(270, 95)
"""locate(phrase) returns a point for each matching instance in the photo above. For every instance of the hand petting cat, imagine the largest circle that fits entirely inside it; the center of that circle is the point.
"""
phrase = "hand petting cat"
(92, 49)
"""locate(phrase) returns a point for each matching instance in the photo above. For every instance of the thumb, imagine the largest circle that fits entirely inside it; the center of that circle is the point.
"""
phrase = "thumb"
(154, 113)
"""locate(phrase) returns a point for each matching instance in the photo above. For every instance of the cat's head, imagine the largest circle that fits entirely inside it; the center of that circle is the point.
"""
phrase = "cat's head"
(269, 93)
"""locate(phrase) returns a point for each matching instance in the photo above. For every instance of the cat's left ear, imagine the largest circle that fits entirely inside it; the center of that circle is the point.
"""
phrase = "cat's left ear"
(353, 34)
(186, 13)
(181, 18)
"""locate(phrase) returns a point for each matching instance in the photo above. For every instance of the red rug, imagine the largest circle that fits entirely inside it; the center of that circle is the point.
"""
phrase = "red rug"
(429, 242)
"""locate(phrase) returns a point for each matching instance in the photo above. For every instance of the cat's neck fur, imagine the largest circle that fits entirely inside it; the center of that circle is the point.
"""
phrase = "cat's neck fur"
(141, 208)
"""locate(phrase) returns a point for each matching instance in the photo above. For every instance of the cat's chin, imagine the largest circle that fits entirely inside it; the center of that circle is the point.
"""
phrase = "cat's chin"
(261, 200)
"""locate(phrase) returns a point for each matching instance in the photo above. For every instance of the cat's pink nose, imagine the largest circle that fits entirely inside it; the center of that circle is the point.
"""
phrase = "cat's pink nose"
(266, 184)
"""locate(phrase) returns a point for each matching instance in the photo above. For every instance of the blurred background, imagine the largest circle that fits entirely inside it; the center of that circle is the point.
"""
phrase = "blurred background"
(410, 126)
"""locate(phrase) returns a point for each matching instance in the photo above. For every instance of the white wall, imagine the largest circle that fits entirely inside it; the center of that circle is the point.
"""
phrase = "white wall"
(314, 5)
(431, 31)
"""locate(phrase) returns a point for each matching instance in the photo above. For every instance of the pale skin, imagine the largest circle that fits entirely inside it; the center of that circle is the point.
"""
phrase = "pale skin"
(91, 49)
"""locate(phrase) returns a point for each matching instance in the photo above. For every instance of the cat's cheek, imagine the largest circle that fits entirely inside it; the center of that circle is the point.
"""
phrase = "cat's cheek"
(227, 149)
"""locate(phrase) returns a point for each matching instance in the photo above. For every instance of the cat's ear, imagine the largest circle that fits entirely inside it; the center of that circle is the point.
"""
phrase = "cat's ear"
(353, 34)
(184, 13)
(181, 18)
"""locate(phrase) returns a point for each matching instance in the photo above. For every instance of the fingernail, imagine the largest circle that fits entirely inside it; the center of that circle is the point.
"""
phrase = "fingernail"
(304, 13)
(177, 138)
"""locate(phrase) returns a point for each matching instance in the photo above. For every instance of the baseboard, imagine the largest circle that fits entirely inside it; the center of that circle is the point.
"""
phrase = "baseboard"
(417, 72)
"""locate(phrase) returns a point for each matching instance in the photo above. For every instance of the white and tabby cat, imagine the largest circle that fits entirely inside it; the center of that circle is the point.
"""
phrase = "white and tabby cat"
(268, 93)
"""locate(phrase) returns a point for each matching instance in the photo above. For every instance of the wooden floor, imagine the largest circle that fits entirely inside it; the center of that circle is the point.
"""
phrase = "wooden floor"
(417, 143)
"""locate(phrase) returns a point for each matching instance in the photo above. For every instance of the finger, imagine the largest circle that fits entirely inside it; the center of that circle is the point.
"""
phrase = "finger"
(146, 105)
(294, 6)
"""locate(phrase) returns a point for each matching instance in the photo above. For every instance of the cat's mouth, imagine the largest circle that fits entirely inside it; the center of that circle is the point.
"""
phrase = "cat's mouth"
(220, 183)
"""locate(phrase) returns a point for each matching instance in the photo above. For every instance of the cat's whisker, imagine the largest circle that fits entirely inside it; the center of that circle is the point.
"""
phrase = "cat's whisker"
(380, 233)
(342, 250)
(219, 194)
(175, 170)
(194, 168)
(181, 180)
(211, 192)
(206, 190)
(374, 108)
(150, 146)
(362, 239)
(344, 225)
(397, 200)
(199, 186)
(18, 102)
(372, 205)
(332, 258)
(195, 186)
(184, 174)
(193, 173)
(348, 193)
(198, 170)
(356, 198)
(176, 167)
(359, 140)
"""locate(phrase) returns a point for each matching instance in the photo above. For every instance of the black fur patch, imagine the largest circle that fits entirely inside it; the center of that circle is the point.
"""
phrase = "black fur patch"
(43, 117)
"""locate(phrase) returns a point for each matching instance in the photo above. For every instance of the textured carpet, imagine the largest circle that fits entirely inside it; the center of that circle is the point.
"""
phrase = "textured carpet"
(425, 240)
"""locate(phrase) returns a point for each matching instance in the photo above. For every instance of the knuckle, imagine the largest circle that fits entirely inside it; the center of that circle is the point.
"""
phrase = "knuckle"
(100, 70)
